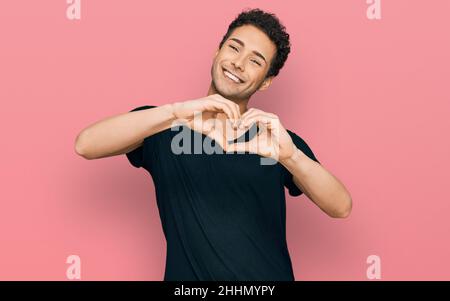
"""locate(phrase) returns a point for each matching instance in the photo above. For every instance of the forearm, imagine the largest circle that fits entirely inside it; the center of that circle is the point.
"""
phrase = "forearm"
(325, 190)
(113, 135)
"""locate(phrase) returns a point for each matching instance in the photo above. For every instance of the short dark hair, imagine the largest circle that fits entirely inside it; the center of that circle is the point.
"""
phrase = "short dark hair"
(271, 26)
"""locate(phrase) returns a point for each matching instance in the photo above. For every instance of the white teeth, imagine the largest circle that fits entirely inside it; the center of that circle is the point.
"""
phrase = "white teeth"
(234, 78)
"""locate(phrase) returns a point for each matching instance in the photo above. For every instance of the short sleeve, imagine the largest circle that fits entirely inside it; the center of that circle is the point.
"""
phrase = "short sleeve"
(288, 178)
(136, 156)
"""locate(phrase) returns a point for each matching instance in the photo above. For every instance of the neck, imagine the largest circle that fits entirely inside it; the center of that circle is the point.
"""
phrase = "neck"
(242, 103)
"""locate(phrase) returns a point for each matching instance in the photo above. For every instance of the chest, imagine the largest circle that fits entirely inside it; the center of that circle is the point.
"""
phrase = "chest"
(200, 159)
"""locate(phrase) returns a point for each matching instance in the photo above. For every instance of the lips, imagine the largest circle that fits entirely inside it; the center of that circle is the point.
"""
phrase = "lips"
(240, 79)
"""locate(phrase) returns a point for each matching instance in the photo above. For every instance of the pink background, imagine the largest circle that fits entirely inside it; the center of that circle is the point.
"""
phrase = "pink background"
(371, 98)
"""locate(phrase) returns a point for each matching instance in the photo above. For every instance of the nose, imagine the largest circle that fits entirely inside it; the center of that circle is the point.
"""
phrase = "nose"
(238, 62)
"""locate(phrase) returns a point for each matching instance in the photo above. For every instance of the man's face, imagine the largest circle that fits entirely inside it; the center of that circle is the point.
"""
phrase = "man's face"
(247, 54)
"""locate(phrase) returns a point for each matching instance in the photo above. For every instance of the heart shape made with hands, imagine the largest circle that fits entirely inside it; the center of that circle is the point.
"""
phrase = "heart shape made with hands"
(219, 128)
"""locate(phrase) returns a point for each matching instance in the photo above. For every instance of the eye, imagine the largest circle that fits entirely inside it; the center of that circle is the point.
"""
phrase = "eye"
(256, 62)
(235, 49)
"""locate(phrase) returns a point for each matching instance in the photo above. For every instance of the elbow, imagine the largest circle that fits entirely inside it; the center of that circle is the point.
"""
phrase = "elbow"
(345, 210)
(81, 146)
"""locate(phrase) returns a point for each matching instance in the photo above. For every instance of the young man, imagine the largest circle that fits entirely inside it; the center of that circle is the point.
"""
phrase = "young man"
(223, 212)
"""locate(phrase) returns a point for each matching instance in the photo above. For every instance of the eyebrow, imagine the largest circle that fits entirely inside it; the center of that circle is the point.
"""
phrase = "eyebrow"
(254, 51)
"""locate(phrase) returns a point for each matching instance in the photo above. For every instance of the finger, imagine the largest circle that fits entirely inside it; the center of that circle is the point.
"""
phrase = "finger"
(218, 106)
(231, 114)
(208, 126)
(262, 120)
(234, 111)
(247, 114)
(252, 144)
(249, 111)
(231, 103)
(256, 115)
(265, 145)
(234, 106)
(258, 145)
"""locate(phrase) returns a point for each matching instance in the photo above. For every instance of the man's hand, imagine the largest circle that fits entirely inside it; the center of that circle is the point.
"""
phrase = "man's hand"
(202, 115)
(272, 140)
(206, 107)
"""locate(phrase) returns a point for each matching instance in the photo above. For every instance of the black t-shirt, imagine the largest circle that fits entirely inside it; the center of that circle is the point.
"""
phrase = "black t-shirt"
(223, 215)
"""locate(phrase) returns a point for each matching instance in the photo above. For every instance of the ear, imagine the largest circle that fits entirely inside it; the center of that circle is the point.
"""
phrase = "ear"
(266, 83)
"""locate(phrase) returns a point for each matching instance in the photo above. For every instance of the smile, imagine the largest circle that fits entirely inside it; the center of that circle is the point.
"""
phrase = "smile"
(233, 77)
